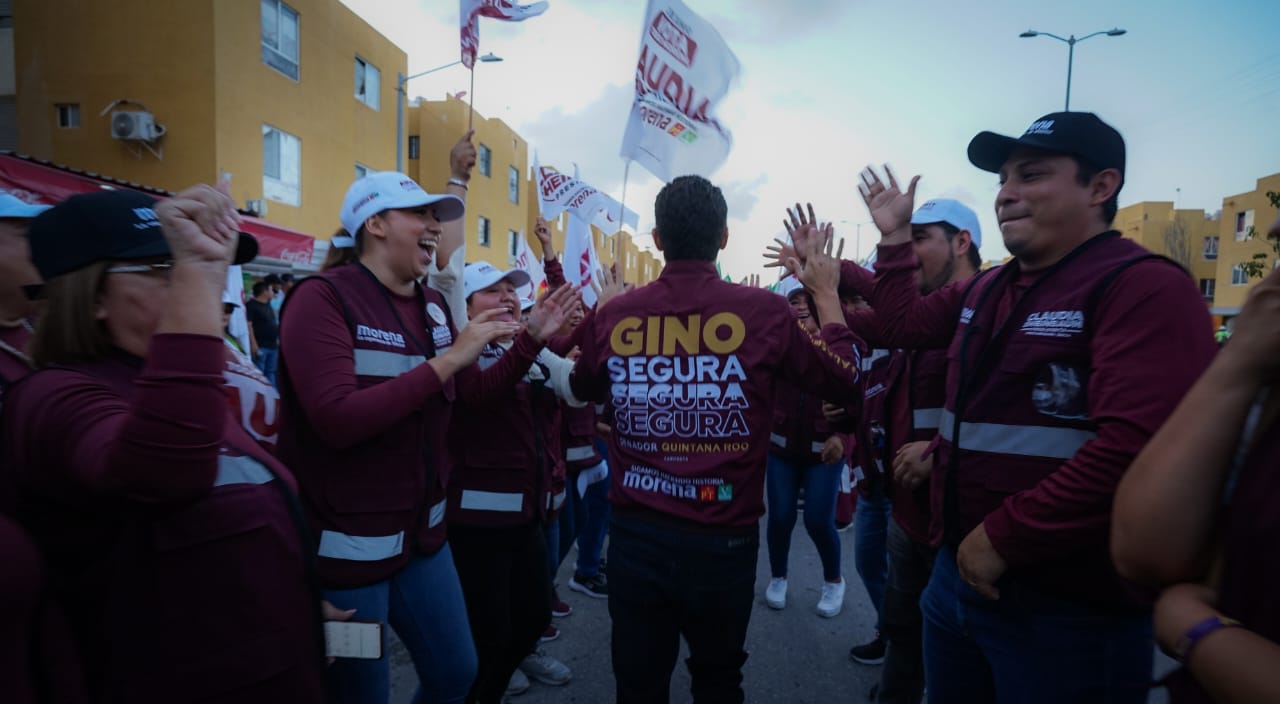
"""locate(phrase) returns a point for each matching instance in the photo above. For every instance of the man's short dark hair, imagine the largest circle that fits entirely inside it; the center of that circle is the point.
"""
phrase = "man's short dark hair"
(691, 216)
(259, 288)
(271, 279)
(286, 278)
(975, 257)
(1085, 171)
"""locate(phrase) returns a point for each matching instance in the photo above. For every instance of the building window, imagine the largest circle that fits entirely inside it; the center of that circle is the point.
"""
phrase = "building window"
(513, 246)
(69, 115)
(513, 184)
(1244, 221)
(280, 37)
(281, 166)
(482, 231)
(368, 79)
(483, 158)
(413, 147)
(361, 171)
(613, 248)
(1211, 248)
(1238, 275)
(1207, 287)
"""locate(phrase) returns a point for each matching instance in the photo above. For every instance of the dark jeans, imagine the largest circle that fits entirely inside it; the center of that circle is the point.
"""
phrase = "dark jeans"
(870, 557)
(508, 593)
(821, 482)
(1029, 646)
(910, 563)
(591, 511)
(267, 359)
(665, 583)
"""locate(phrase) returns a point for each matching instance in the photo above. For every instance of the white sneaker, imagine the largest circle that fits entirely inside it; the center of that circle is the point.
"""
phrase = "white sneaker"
(546, 669)
(519, 684)
(832, 600)
(775, 595)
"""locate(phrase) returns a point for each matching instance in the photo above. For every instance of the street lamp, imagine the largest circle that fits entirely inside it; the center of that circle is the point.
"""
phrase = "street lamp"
(401, 80)
(1071, 43)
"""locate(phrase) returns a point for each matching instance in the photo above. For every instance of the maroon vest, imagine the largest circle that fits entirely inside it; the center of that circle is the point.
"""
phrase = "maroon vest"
(880, 370)
(799, 427)
(579, 438)
(372, 505)
(915, 406)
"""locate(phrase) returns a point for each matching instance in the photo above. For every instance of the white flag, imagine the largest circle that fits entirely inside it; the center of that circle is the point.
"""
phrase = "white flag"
(558, 192)
(581, 265)
(470, 12)
(532, 265)
(685, 69)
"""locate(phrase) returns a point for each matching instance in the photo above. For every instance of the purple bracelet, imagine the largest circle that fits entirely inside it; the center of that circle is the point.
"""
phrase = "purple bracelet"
(1188, 641)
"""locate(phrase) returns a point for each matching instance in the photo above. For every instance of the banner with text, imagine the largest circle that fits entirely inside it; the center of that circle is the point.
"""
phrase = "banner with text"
(470, 12)
(558, 192)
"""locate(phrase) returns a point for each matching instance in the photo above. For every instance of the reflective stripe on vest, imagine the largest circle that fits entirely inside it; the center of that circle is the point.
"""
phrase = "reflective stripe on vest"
(474, 500)
(926, 418)
(777, 439)
(816, 447)
(241, 470)
(1029, 440)
(577, 454)
(555, 502)
(436, 515)
(846, 479)
(870, 360)
(362, 548)
(385, 364)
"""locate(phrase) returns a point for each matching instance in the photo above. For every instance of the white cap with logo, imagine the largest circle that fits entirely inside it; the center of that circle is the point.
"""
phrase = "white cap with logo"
(13, 207)
(789, 286)
(481, 275)
(383, 190)
(952, 212)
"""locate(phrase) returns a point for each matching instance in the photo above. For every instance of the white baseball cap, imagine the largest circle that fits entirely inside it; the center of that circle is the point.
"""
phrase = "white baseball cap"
(383, 190)
(789, 286)
(13, 207)
(952, 212)
(481, 275)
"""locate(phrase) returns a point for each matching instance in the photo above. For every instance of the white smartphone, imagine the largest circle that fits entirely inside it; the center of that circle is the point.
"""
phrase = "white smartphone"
(353, 639)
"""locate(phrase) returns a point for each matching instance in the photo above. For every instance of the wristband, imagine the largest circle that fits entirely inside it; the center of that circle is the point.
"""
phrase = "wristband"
(458, 182)
(1182, 649)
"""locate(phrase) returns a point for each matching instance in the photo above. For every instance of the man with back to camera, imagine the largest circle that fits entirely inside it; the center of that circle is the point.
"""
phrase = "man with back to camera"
(688, 363)
(1061, 365)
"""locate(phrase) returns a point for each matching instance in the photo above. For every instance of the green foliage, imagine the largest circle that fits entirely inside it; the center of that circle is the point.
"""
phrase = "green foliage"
(1257, 267)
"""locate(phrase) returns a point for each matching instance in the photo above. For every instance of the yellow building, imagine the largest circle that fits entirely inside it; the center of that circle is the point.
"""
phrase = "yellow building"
(290, 99)
(1241, 214)
(1186, 236)
(502, 201)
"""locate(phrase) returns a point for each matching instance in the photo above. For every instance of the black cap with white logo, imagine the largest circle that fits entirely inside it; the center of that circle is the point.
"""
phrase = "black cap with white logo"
(1079, 134)
(104, 225)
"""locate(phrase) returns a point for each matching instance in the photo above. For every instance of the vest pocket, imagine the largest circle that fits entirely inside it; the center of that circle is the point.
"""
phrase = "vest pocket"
(348, 498)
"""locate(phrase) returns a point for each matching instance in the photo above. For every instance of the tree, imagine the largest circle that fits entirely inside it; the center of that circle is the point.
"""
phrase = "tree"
(1177, 243)
(1256, 268)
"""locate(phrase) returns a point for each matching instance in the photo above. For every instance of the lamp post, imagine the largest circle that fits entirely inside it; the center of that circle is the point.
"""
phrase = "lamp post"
(1071, 42)
(401, 80)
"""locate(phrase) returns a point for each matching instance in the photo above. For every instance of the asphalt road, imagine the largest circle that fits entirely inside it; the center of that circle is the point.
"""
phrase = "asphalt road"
(796, 656)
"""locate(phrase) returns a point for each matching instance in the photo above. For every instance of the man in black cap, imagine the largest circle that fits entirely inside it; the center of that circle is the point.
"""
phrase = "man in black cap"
(1062, 364)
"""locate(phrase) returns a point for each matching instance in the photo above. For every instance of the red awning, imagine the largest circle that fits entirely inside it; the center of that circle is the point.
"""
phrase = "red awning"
(37, 181)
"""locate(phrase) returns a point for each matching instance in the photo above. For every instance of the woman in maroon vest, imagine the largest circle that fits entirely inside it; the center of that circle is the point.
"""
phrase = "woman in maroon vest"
(169, 532)
(1196, 515)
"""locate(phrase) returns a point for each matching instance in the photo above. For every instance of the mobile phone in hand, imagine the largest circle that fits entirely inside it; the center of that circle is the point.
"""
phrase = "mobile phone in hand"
(353, 639)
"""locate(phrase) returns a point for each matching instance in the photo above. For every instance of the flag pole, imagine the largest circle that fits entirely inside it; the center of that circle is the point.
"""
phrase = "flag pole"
(471, 98)
(622, 204)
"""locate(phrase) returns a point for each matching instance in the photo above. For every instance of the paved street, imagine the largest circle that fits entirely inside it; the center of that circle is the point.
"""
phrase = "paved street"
(796, 656)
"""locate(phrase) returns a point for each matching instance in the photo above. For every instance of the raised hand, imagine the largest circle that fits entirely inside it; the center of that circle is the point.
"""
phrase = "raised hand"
(780, 254)
(462, 158)
(801, 229)
(889, 207)
(608, 285)
(201, 225)
(551, 312)
(482, 330)
(820, 271)
(543, 232)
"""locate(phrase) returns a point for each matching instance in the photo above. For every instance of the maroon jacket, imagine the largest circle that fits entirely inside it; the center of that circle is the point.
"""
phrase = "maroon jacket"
(799, 427)
(689, 363)
(579, 438)
(1067, 374)
(365, 420)
(167, 529)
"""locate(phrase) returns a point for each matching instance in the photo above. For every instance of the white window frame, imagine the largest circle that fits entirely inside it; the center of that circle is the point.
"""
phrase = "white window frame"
(1210, 250)
(1238, 275)
(1244, 221)
(484, 160)
(273, 53)
(483, 237)
(513, 184)
(285, 185)
(368, 85)
(1208, 291)
(68, 115)
(513, 246)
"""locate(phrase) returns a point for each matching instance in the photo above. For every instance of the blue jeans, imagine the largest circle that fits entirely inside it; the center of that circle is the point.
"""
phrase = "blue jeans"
(821, 482)
(870, 553)
(1029, 646)
(266, 361)
(592, 524)
(423, 603)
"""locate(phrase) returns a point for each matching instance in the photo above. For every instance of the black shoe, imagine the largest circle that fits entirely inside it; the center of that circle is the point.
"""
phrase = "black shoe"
(869, 653)
(595, 586)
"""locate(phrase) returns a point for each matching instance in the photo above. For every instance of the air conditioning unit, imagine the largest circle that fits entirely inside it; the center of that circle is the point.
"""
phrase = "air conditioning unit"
(257, 206)
(133, 124)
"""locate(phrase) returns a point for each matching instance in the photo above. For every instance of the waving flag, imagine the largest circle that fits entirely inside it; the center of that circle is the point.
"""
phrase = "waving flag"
(581, 265)
(470, 12)
(558, 192)
(685, 69)
(531, 265)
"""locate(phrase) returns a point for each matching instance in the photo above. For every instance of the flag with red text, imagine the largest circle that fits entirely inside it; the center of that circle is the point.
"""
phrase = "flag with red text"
(470, 12)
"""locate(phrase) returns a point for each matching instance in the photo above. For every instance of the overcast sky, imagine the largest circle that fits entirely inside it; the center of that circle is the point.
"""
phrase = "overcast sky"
(828, 86)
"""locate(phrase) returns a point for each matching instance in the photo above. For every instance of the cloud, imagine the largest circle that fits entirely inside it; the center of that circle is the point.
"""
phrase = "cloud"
(742, 196)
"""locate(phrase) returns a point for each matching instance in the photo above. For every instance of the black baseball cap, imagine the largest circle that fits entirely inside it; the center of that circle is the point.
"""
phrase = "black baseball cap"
(1080, 134)
(91, 227)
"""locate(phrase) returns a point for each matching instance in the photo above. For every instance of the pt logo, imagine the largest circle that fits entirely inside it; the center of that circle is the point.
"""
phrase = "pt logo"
(724, 492)
(706, 493)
